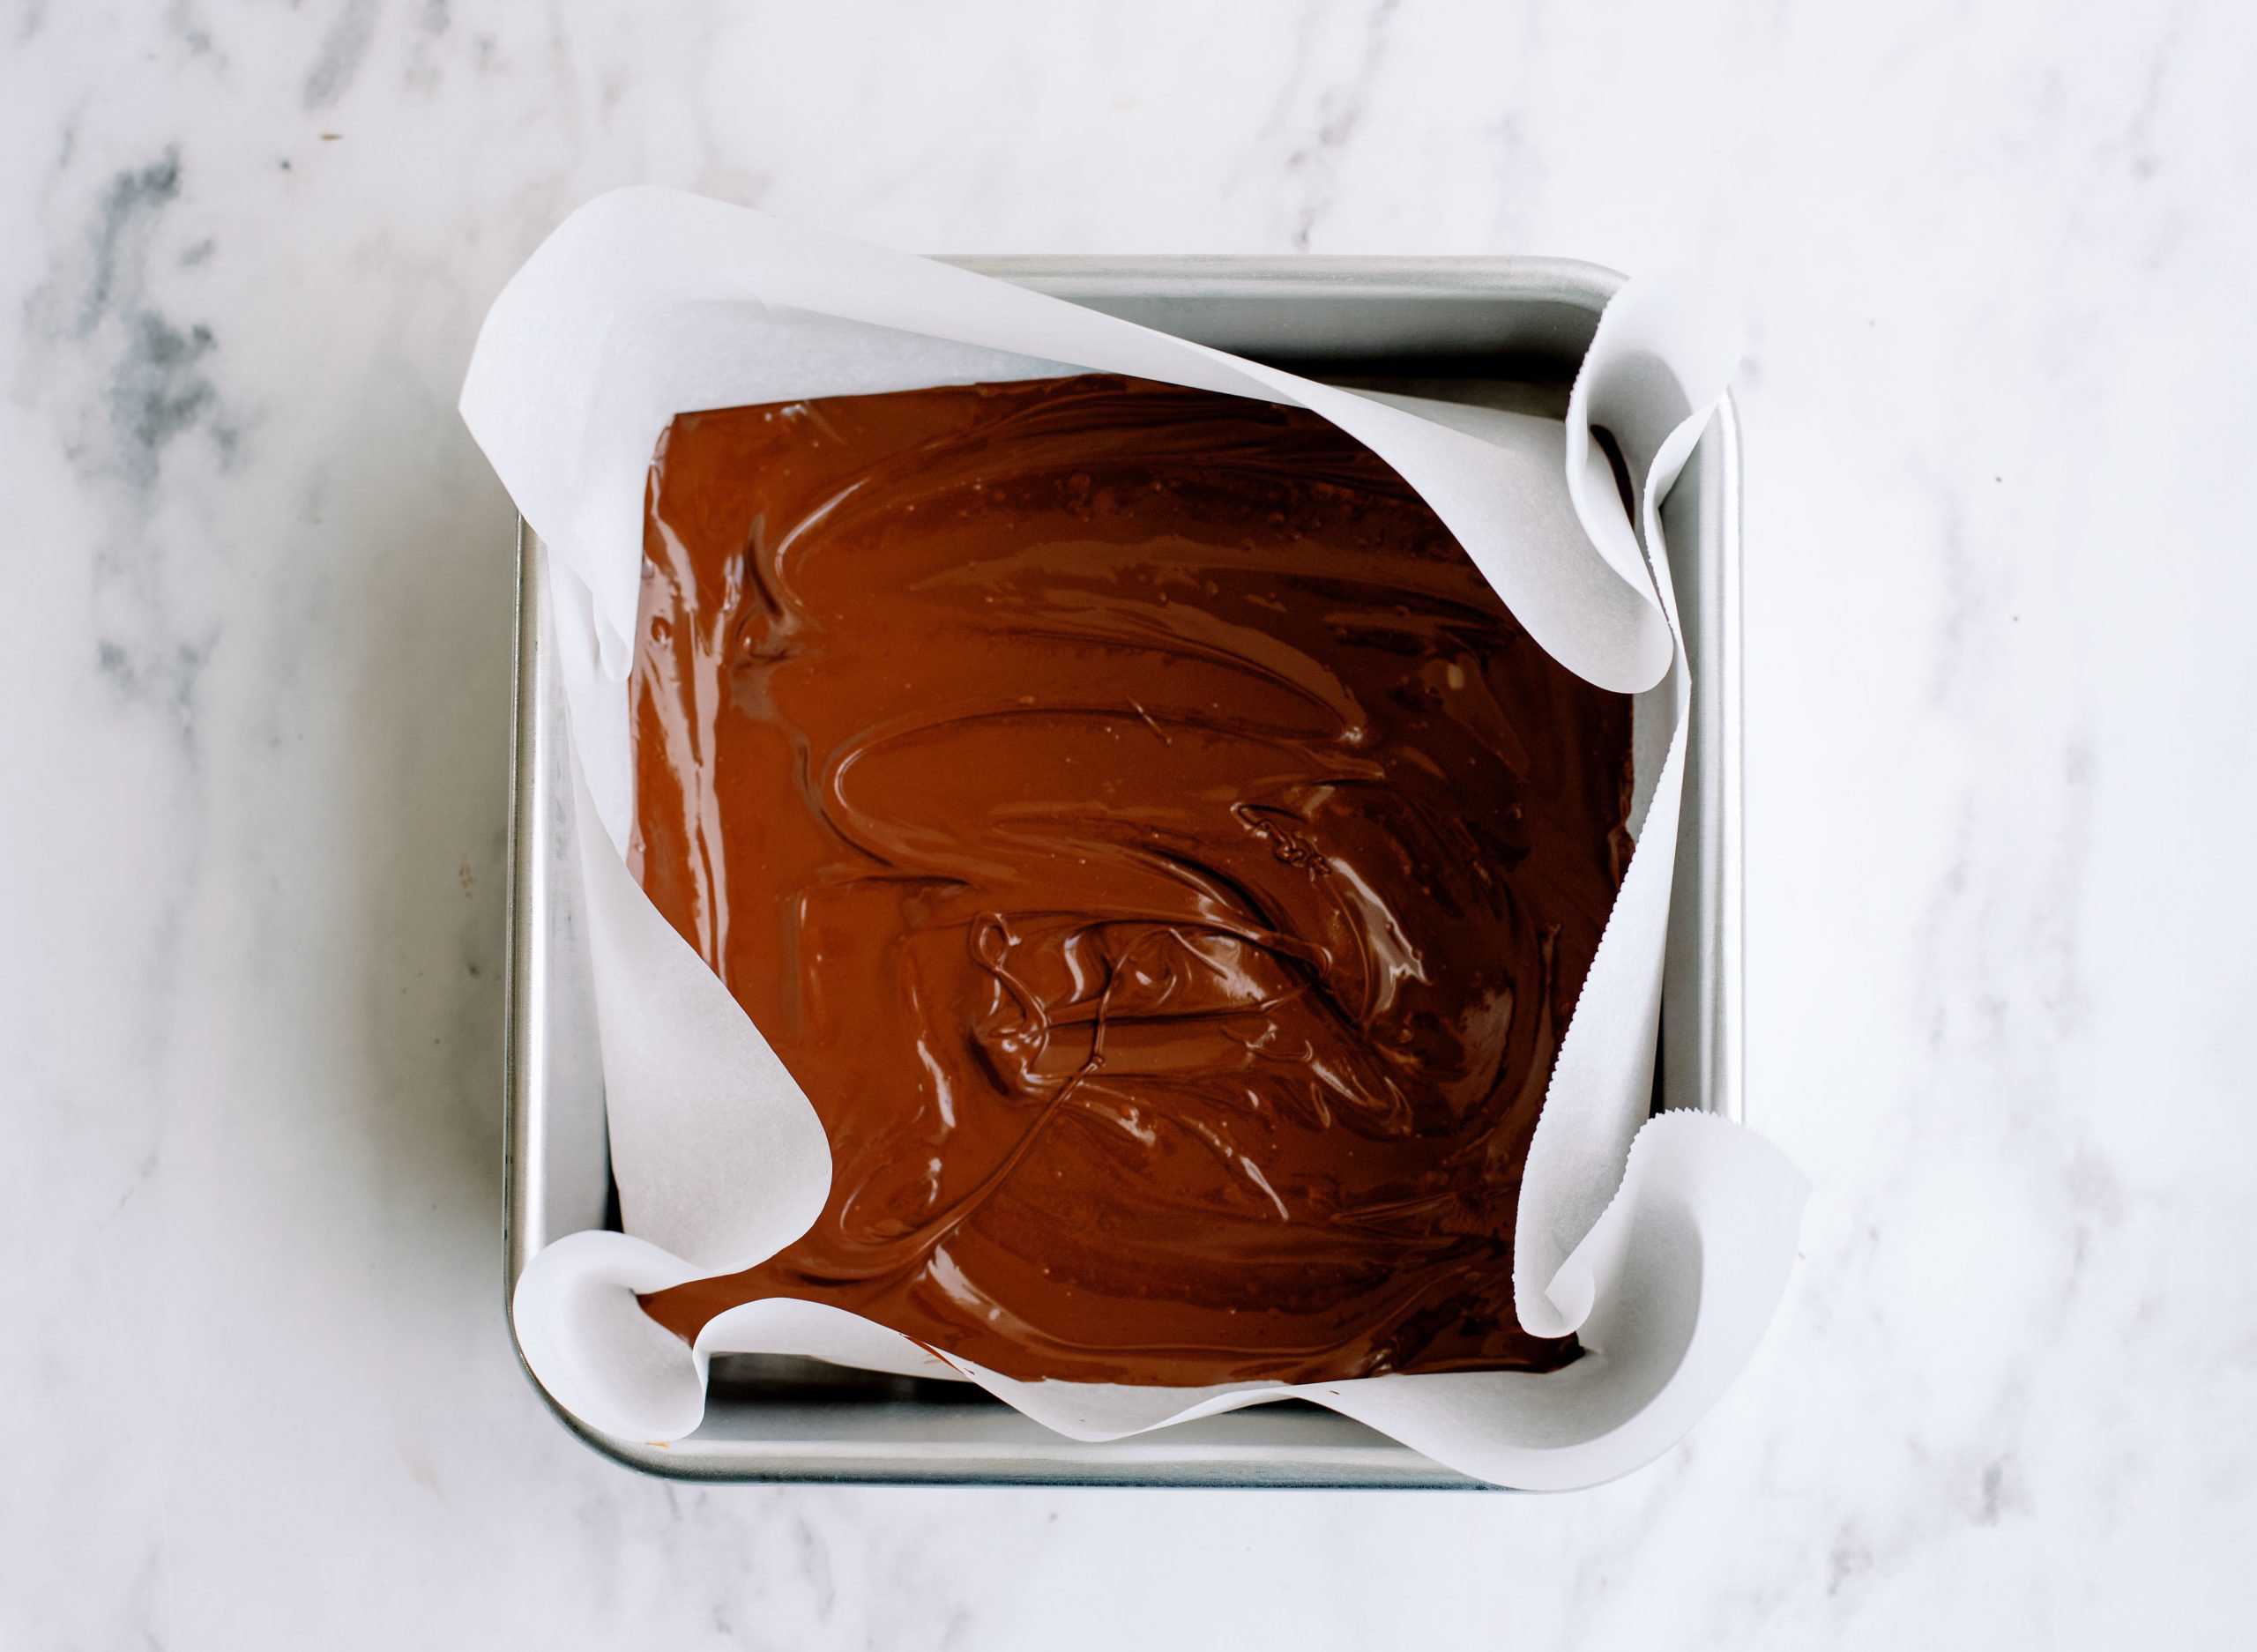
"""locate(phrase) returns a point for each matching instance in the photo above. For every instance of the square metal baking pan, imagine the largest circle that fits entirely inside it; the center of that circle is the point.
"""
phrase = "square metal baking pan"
(1506, 332)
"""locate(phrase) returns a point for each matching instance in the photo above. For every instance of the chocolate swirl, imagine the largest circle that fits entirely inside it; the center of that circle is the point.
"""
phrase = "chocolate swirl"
(1154, 850)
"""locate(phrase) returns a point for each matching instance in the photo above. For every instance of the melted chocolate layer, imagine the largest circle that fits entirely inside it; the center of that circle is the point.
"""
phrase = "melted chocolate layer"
(1156, 851)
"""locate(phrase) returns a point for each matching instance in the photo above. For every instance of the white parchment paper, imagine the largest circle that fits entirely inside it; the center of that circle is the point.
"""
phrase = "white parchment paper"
(1663, 1243)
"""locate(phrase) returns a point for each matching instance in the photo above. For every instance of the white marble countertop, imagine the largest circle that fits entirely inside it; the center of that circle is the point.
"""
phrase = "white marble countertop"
(255, 1387)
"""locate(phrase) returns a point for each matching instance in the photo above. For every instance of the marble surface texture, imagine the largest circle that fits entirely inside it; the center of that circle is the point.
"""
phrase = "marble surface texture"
(255, 1388)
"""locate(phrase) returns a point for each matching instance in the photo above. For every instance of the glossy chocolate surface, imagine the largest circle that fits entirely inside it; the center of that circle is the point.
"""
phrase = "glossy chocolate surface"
(1154, 850)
